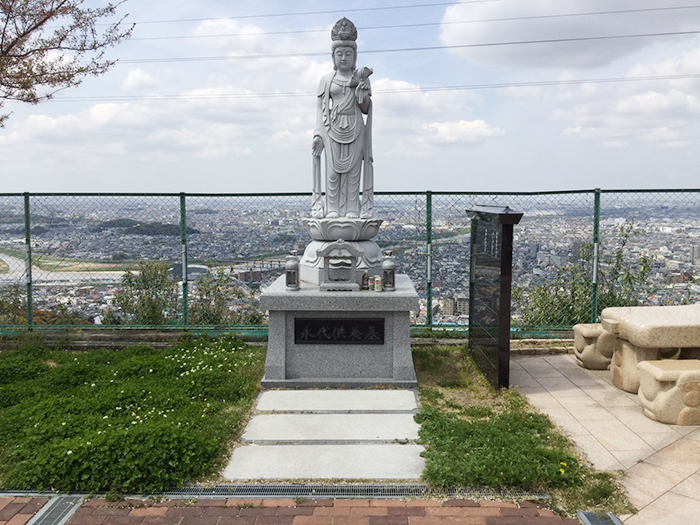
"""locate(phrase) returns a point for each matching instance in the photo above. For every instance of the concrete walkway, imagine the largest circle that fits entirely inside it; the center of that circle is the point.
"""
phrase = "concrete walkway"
(661, 463)
(330, 434)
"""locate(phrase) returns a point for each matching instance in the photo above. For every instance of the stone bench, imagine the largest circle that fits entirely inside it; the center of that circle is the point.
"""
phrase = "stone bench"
(670, 390)
(593, 346)
(648, 333)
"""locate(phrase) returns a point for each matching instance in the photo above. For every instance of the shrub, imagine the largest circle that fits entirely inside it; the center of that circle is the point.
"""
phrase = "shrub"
(148, 296)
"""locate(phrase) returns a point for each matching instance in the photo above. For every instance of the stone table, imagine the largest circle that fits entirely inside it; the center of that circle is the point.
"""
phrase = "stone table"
(649, 333)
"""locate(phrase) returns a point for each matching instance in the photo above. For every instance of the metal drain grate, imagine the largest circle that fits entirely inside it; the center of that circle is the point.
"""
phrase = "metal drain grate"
(392, 490)
(313, 490)
(598, 518)
(57, 511)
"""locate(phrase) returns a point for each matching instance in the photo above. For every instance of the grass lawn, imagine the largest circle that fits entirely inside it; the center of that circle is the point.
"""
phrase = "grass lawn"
(135, 420)
(62, 264)
(475, 436)
(141, 420)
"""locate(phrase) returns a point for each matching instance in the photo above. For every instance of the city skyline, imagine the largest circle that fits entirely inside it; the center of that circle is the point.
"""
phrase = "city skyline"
(474, 96)
(81, 246)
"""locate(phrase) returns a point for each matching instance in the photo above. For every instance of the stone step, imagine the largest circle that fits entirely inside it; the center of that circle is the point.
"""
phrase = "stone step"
(296, 462)
(330, 434)
(337, 401)
(276, 428)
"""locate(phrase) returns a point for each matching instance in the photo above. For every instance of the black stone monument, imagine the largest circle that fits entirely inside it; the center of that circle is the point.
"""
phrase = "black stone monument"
(490, 278)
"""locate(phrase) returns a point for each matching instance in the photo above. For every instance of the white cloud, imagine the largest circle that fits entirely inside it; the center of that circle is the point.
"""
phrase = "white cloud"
(661, 113)
(533, 21)
(295, 73)
(410, 122)
(617, 144)
(462, 132)
(139, 79)
(524, 92)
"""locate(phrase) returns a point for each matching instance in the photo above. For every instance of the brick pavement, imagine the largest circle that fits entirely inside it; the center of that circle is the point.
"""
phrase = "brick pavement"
(18, 511)
(314, 512)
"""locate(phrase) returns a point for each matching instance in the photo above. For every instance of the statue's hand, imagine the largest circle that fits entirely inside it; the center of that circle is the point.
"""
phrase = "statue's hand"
(317, 146)
(362, 93)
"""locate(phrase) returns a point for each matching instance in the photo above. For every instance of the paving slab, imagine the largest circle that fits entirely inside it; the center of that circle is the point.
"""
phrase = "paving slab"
(668, 509)
(662, 469)
(389, 462)
(336, 400)
(331, 427)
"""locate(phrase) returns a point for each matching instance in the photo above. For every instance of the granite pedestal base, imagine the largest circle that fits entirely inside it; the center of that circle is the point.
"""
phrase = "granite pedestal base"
(339, 339)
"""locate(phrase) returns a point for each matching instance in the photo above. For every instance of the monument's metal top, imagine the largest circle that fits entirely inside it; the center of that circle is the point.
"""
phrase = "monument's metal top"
(505, 214)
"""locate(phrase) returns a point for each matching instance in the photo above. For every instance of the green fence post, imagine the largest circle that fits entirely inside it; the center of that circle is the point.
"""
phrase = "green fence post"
(28, 262)
(596, 247)
(429, 250)
(183, 243)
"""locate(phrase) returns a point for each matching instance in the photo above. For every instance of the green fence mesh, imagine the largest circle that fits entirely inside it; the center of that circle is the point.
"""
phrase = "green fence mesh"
(117, 260)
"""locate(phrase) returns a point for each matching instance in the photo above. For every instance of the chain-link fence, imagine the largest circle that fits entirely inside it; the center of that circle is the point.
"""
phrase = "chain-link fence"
(117, 260)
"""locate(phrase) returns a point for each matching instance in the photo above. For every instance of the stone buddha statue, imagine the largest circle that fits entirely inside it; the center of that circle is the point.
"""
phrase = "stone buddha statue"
(344, 132)
(343, 138)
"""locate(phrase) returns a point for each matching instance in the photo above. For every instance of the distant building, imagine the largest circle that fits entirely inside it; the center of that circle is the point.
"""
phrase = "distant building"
(576, 250)
(249, 276)
(193, 271)
(447, 306)
(695, 255)
(462, 305)
(533, 249)
(454, 306)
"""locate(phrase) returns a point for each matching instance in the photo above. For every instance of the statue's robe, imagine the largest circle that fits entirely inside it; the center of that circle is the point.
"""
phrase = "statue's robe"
(347, 141)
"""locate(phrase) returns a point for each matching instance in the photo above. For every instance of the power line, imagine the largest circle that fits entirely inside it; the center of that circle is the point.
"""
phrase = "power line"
(469, 87)
(406, 49)
(308, 13)
(425, 24)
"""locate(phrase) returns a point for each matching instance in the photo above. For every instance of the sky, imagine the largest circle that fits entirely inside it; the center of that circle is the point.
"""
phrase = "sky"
(489, 95)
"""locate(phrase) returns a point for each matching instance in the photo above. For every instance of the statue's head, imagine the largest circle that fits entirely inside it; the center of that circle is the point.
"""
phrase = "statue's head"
(343, 36)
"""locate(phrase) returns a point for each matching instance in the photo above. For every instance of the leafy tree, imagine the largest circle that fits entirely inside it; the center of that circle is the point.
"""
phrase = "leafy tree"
(251, 315)
(566, 299)
(49, 45)
(13, 306)
(209, 302)
(148, 297)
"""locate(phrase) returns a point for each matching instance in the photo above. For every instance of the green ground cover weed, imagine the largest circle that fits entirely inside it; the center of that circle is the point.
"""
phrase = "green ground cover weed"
(134, 420)
(477, 437)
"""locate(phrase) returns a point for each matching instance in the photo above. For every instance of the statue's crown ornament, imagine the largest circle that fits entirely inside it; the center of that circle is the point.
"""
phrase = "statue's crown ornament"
(344, 29)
